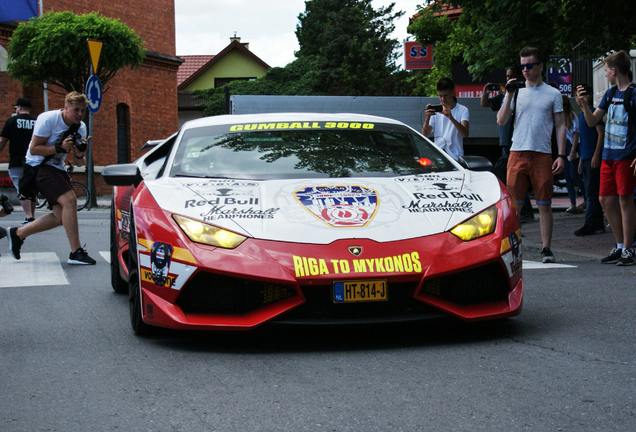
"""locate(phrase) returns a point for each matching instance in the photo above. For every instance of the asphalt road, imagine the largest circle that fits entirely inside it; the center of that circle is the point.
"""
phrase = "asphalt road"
(69, 360)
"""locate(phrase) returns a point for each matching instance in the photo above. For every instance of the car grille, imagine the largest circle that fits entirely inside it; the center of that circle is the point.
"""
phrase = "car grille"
(483, 284)
(320, 305)
(210, 293)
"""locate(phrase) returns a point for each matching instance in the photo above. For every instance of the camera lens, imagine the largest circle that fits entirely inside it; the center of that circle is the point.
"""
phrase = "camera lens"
(78, 142)
(6, 204)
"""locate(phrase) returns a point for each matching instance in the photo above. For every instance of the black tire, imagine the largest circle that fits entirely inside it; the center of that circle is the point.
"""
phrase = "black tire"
(134, 289)
(81, 192)
(118, 283)
(40, 201)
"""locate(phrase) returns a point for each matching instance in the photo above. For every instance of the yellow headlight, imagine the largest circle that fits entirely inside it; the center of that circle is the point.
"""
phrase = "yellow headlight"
(200, 232)
(478, 226)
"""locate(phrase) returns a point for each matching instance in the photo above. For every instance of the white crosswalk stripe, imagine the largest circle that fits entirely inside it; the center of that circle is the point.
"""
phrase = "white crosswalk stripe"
(534, 265)
(105, 255)
(35, 269)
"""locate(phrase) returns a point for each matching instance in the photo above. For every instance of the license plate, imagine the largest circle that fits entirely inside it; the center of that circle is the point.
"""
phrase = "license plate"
(359, 291)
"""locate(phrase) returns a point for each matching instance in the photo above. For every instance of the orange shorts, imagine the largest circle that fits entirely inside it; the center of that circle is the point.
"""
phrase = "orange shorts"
(527, 168)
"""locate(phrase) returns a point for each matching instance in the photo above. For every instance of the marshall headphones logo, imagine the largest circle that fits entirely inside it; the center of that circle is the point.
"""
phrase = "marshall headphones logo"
(355, 250)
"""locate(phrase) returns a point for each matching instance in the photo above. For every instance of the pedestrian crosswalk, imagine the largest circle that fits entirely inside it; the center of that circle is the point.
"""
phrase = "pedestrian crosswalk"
(105, 255)
(45, 268)
(533, 265)
(34, 269)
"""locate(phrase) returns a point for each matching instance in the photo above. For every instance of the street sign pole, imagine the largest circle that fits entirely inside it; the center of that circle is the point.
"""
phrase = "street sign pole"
(94, 93)
(90, 173)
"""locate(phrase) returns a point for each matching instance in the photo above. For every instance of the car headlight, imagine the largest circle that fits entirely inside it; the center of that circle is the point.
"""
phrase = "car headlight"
(478, 226)
(200, 232)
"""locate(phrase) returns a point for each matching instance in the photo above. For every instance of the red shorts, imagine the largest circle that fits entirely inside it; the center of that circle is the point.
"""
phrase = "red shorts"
(617, 178)
(528, 167)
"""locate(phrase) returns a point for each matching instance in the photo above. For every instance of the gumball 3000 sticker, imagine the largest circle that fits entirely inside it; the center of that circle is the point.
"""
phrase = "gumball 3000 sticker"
(340, 206)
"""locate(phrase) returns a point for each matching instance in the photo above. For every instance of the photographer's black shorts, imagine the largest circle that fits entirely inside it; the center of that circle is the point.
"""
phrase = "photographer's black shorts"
(52, 183)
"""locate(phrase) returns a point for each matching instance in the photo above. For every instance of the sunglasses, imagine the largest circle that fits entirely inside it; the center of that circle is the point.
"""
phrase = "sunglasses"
(528, 66)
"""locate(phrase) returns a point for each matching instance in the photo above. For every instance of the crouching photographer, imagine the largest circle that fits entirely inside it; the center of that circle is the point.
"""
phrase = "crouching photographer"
(56, 135)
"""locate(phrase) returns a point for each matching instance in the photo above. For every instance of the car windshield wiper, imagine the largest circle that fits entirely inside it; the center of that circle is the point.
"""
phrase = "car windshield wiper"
(201, 176)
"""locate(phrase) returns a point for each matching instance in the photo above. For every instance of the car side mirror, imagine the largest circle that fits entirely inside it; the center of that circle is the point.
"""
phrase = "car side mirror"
(475, 163)
(122, 175)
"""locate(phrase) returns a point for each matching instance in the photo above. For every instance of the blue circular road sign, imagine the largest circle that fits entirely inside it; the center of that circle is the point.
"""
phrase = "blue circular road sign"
(94, 93)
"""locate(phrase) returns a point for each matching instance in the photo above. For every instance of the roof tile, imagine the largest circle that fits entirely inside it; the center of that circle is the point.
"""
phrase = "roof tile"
(190, 65)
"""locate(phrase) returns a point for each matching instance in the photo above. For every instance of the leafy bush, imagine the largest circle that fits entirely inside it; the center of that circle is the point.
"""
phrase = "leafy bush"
(6, 183)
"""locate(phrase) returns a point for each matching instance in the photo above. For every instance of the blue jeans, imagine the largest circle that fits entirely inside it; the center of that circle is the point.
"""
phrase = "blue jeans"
(592, 181)
(572, 177)
(573, 180)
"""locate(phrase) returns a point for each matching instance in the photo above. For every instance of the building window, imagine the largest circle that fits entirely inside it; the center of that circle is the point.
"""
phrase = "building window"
(3, 59)
(123, 133)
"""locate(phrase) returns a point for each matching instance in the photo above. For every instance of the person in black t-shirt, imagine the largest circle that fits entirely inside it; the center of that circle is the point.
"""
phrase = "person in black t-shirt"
(17, 131)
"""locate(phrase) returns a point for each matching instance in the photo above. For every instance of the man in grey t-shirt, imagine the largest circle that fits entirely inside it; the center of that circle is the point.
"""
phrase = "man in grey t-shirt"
(538, 109)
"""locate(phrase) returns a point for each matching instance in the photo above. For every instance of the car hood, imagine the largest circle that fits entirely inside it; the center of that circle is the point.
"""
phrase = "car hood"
(321, 211)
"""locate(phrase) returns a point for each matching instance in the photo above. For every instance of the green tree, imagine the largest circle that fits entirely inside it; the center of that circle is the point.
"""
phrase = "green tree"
(350, 41)
(489, 34)
(345, 49)
(602, 26)
(53, 48)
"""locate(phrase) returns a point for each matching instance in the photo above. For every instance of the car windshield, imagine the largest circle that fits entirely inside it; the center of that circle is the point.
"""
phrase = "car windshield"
(305, 150)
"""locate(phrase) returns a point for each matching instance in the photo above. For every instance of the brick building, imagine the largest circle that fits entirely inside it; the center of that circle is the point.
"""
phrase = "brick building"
(139, 105)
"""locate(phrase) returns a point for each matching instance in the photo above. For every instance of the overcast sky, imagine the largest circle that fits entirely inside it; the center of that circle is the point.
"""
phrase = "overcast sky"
(205, 26)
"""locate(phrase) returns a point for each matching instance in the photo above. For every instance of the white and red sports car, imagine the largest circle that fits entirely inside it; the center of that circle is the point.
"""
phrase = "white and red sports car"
(236, 221)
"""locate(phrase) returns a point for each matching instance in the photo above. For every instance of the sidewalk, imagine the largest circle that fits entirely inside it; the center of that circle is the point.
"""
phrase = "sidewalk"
(563, 239)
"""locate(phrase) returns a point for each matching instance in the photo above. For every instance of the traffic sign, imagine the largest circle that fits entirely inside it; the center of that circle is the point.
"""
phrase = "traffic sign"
(93, 92)
(95, 50)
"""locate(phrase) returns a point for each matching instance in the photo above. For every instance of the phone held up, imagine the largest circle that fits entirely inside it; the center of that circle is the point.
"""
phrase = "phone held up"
(493, 87)
(436, 108)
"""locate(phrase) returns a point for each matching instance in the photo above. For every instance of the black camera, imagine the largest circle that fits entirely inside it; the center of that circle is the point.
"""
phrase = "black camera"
(78, 142)
(436, 108)
(6, 204)
(515, 85)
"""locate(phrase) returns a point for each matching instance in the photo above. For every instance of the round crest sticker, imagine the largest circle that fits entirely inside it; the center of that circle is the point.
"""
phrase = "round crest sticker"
(160, 255)
(340, 206)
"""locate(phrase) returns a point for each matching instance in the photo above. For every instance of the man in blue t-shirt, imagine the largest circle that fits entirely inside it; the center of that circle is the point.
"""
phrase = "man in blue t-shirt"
(619, 150)
(590, 148)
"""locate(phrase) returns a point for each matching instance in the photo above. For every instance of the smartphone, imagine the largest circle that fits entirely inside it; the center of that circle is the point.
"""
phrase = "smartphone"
(436, 108)
(493, 87)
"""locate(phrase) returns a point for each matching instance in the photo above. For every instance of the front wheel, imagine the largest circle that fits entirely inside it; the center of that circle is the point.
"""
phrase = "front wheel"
(81, 192)
(135, 303)
(119, 285)
(134, 286)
